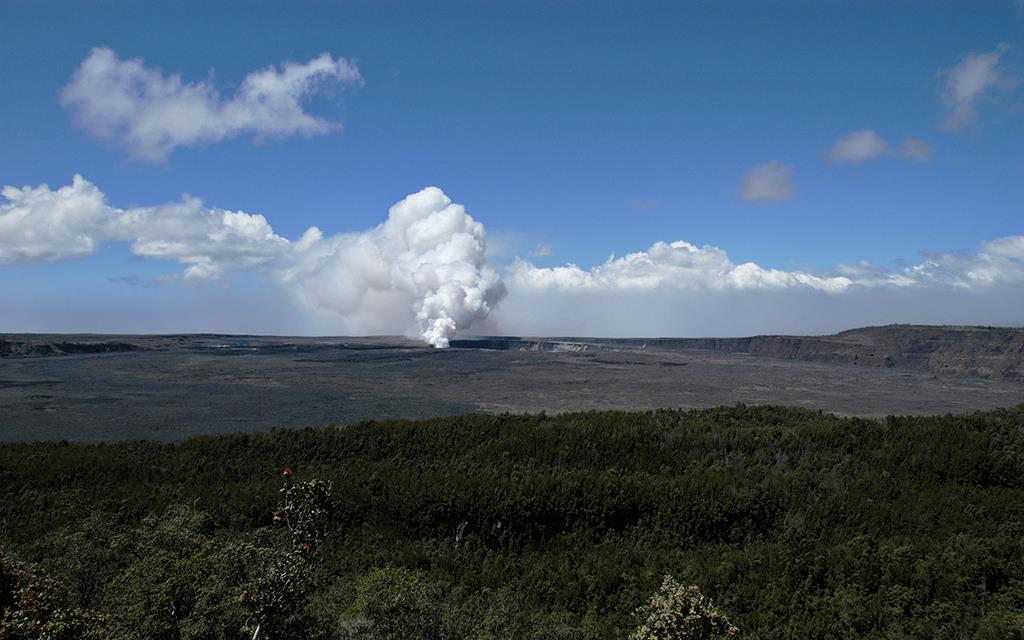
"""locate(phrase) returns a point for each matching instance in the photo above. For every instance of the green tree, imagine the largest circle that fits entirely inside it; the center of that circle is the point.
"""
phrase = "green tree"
(276, 579)
(177, 586)
(35, 607)
(677, 612)
(306, 510)
(399, 604)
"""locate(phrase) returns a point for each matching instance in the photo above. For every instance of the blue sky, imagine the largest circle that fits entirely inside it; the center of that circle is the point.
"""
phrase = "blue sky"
(591, 128)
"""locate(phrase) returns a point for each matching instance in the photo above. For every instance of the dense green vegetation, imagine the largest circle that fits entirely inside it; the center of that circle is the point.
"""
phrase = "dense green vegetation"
(795, 524)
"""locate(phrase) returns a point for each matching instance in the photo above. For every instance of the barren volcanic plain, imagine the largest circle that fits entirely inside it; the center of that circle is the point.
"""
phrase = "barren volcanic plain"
(109, 388)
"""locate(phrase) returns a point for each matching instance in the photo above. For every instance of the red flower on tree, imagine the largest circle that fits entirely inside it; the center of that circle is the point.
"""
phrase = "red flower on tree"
(287, 472)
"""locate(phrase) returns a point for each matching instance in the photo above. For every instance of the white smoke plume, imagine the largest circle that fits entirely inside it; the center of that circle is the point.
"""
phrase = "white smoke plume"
(423, 268)
(429, 256)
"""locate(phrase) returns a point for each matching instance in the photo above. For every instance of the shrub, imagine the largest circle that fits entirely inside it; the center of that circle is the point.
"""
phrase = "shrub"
(676, 612)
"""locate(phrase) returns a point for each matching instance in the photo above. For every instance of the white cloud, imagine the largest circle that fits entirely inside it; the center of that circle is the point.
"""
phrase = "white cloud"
(768, 182)
(968, 82)
(40, 224)
(668, 266)
(75, 220)
(678, 289)
(542, 250)
(1008, 247)
(994, 263)
(858, 146)
(149, 114)
(425, 265)
(999, 261)
(681, 266)
(425, 270)
(865, 144)
(207, 241)
(915, 150)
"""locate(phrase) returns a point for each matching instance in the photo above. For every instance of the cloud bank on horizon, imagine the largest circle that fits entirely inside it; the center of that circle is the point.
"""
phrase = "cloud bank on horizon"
(425, 266)
(149, 114)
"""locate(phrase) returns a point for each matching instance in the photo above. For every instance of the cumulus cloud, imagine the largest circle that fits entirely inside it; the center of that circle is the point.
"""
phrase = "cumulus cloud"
(73, 221)
(678, 289)
(768, 182)
(1008, 247)
(425, 270)
(149, 114)
(206, 240)
(995, 262)
(668, 266)
(865, 144)
(681, 266)
(425, 265)
(968, 82)
(40, 224)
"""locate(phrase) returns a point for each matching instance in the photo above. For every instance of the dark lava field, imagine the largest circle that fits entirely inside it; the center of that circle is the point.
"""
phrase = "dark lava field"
(106, 388)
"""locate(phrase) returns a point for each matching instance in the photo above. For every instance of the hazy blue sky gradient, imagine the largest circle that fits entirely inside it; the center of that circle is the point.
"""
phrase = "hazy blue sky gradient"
(594, 128)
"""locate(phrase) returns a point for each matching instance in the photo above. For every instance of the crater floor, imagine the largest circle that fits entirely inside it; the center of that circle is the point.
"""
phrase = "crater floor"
(172, 388)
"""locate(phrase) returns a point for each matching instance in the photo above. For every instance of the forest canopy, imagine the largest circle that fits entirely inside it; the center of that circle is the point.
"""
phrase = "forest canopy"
(793, 523)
